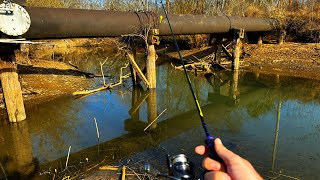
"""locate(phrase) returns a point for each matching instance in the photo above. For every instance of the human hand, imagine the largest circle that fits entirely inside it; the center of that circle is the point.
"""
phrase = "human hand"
(237, 168)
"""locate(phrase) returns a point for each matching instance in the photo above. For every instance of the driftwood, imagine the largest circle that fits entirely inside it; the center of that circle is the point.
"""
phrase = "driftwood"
(105, 86)
(196, 66)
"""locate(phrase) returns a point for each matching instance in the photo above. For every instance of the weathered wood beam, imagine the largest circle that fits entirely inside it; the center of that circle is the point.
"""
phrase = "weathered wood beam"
(12, 89)
(151, 67)
(137, 69)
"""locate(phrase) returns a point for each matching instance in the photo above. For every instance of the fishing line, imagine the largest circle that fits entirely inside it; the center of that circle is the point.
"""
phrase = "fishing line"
(186, 74)
(209, 139)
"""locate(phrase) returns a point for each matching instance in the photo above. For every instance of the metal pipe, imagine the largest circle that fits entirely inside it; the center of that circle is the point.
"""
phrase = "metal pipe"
(70, 23)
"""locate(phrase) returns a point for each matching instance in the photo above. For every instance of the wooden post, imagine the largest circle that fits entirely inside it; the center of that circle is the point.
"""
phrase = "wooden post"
(21, 151)
(151, 58)
(237, 50)
(134, 101)
(11, 89)
(236, 55)
(282, 37)
(134, 76)
(137, 69)
(218, 49)
(151, 67)
(234, 85)
(260, 40)
(152, 108)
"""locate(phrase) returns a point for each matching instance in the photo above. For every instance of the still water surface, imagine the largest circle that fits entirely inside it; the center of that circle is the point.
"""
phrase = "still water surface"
(272, 121)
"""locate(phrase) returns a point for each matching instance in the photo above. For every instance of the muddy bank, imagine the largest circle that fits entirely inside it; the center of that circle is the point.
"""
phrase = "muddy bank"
(47, 71)
(289, 59)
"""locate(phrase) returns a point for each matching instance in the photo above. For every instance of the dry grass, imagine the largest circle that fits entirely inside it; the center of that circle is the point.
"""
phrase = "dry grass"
(300, 19)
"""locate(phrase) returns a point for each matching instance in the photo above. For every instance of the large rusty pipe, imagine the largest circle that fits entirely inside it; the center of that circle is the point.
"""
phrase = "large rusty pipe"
(195, 24)
(69, 23)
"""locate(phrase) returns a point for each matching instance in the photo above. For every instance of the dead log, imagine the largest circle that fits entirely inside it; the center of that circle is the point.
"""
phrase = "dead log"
(105, 86)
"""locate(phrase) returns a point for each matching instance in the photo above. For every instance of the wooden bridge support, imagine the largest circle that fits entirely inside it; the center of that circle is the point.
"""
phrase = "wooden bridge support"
(21, 151)
(237, 49)
(218, 49)
(282, 37)
(152, 108)
(234, 93)
(260, 40)
(134, 76)
(153, 40)
(11, 88)
(151, 67)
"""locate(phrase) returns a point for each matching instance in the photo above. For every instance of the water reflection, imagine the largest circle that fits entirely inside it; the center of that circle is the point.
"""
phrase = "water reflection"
(16, 155)
(243, 108)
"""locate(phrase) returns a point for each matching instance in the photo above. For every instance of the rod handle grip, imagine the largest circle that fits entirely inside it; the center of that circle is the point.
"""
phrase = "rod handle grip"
(212, 152)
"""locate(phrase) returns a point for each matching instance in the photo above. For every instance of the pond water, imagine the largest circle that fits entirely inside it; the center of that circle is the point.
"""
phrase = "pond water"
(272, 121)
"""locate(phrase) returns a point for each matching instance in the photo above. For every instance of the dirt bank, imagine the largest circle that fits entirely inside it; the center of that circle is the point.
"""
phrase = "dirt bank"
(43, 73)
(43, 79)
(289, 59)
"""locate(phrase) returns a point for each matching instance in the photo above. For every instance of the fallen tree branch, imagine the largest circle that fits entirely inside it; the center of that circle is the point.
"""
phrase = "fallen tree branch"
(105, 86)
(197, 66)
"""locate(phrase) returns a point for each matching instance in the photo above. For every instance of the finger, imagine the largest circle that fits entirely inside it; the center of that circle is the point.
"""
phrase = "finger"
(226, 155)
(217, 175)
(211, 165)
(201, 150)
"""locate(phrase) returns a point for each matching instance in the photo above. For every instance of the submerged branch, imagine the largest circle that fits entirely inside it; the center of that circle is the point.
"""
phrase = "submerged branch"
(105, 86)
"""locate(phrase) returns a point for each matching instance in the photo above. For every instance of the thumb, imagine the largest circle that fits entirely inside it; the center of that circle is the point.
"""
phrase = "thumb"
(226, 155)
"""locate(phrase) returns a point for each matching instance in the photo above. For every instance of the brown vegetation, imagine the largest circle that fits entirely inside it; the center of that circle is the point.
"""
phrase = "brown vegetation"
(301, 19)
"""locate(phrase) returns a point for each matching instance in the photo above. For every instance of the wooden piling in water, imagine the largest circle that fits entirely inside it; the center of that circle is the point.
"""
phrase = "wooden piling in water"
(237, 49)
(153, 40)
(234, 85)
(151, 67)
(11, 89)
(260, 42)
(152, 108)
(134, 76)
(218, 49)
(237, 54)
(282, 37)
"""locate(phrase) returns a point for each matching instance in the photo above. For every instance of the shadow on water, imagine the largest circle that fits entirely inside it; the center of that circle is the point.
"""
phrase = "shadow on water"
(270, 120)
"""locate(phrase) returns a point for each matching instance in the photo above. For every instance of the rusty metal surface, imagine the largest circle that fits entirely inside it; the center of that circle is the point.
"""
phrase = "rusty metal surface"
(69, 23)
(195, 24)
(20, 2)
(63, 23)
(254, 24)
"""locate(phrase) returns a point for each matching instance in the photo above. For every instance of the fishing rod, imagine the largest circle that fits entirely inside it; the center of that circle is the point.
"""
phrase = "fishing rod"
(209, 141)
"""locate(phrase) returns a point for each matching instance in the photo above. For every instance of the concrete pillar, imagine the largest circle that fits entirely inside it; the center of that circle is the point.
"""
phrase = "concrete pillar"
(11, 88)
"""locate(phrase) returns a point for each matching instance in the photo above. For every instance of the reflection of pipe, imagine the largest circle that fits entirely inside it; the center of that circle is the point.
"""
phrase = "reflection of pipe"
(68, 23)
(276, 135)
